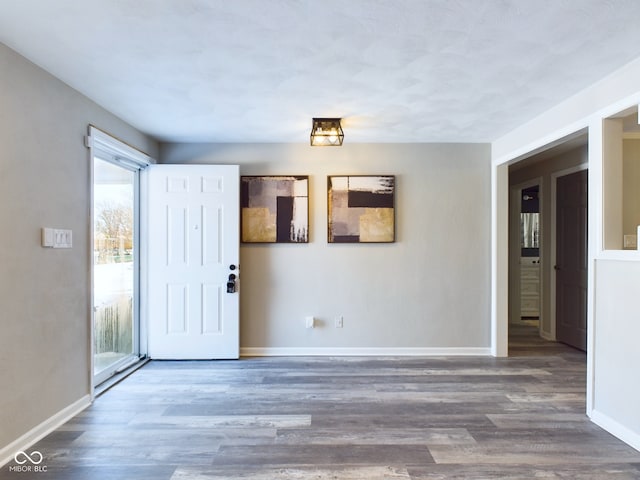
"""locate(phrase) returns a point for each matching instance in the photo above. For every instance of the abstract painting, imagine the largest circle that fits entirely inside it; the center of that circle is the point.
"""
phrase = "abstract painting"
(274, 209)
(361, 209)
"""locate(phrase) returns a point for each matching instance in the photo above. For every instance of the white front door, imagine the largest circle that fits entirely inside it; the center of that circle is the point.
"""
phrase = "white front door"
(193, 255)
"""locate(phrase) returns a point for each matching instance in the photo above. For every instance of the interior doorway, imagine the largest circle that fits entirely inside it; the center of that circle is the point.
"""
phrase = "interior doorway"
(530, 255)
(535, 296)
(525, 250)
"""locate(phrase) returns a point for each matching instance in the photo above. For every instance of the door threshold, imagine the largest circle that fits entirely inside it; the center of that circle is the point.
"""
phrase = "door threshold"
(120, 375)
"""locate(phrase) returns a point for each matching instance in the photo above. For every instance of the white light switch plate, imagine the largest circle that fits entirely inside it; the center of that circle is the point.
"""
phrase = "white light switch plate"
(57, 238)
(47, 237)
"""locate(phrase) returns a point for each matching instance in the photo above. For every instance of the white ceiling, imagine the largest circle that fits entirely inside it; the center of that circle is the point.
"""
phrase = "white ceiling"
(259, 70)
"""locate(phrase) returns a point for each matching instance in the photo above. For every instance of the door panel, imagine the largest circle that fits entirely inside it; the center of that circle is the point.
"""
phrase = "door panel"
(211, 230)
(212, 302)
(193, 229)
(115, 283)
(571, 265)
(177, 249)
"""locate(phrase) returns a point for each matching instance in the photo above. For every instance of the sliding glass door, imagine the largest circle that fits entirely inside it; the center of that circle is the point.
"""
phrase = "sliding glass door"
(115, 267)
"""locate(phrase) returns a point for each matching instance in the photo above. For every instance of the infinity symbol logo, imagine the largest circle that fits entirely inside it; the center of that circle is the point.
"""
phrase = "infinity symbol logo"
(35, 458)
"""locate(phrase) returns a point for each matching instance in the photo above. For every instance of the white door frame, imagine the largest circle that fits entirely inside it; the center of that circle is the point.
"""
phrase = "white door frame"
(102, 144)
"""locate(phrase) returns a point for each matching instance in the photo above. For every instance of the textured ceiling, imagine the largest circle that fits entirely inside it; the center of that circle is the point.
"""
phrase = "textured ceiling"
(259, 70)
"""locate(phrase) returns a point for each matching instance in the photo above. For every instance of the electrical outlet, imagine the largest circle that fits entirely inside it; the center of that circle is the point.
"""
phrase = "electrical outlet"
(630, 241)
(310, 322)
(339, 321)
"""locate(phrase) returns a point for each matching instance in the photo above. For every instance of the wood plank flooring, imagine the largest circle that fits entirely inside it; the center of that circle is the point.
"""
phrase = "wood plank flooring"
(344, 419)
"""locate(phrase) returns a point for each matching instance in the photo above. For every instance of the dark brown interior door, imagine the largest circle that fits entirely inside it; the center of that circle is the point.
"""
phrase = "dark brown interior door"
(571, 260)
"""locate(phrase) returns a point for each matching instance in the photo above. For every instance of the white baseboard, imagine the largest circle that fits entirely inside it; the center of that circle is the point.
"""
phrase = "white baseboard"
(45, 428)
(364, 352)
(616, 429)
(547, 336)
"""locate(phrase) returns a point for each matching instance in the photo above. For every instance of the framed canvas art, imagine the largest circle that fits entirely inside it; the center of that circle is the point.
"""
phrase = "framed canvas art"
(274, 209)
(361, 208)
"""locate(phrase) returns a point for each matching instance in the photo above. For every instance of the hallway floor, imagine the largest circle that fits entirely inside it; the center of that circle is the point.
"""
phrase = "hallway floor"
(525, 341)
(344, 419)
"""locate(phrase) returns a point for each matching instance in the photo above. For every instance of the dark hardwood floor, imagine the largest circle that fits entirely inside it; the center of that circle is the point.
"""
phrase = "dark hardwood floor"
(316, 418)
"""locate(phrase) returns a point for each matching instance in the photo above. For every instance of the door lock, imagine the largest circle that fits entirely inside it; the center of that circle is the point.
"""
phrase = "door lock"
(231, 284)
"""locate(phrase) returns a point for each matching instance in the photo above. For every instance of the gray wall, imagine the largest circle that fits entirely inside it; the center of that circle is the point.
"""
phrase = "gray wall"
(44, 293)
(430, 289)
(617, 390)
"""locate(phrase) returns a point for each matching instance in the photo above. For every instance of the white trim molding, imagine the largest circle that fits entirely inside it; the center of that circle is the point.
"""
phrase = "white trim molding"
(617, 429)
(116, 150)
(500, 260)
(38, 432)
(365, 352)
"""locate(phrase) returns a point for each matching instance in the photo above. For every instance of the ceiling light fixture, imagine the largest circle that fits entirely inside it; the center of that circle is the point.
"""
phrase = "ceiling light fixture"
(326, 132)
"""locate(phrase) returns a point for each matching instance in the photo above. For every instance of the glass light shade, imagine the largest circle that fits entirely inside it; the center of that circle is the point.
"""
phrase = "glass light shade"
(326, 132)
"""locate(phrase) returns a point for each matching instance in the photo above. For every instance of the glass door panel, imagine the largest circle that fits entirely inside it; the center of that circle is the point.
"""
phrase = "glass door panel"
(114, 250)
